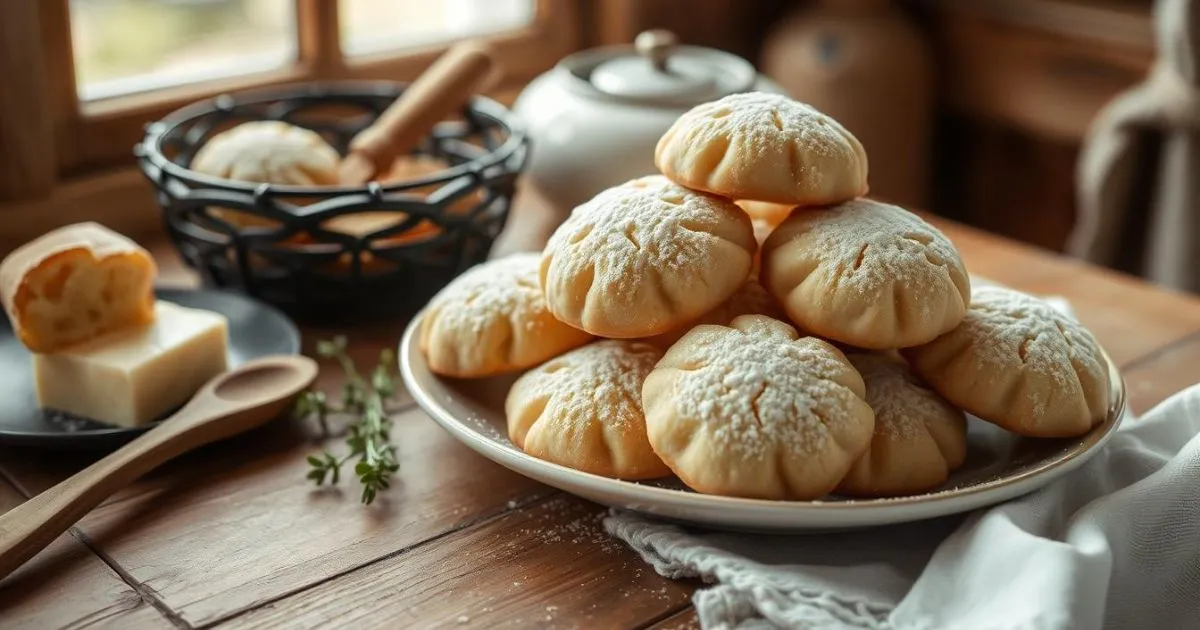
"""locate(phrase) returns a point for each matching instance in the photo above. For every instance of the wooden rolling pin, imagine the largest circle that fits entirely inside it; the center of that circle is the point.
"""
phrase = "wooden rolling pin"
(457, 75)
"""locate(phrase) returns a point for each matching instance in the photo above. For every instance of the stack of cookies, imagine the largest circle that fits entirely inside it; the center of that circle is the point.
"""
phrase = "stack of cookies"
(749, 322)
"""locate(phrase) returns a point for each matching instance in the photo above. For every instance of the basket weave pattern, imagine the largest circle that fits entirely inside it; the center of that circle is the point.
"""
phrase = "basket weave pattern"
(445, 222)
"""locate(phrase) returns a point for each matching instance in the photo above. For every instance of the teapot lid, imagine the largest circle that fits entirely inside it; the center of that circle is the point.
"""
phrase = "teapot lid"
(659, 70)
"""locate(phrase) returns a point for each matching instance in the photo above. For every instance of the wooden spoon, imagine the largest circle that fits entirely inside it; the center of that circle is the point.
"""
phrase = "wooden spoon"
(441, 89)
(227, 405)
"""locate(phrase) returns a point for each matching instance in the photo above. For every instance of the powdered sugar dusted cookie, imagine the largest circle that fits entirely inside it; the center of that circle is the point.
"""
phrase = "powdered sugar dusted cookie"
(867, 274)
(919, 436)
(750, 299)
(267, 152)
(584, 410)
(764, 147)
(493, 319)
(754, 410)
(645, 257)
(1019, 363)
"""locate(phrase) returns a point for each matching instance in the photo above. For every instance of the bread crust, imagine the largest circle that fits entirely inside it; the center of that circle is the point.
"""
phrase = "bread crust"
(29, 295)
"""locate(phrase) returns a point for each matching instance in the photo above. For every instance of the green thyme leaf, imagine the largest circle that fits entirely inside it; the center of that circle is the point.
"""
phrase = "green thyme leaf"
(368, 435)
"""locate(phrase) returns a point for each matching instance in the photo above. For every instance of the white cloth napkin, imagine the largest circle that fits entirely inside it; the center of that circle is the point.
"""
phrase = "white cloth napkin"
(1115, 544)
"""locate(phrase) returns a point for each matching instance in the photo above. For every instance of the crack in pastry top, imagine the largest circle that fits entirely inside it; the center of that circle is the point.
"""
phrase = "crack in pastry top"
(866, 247)
(1011, 331)
(502, 289)
(602, 380)
(734, 136)
(645, 227)
(761, 117)
(758, 387)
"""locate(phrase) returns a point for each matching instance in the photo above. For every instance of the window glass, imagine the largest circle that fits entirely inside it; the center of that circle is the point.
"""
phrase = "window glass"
(128, 46)
(372, 26)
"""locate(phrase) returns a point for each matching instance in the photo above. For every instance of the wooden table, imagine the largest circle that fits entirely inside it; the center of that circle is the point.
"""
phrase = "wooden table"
(233, 536)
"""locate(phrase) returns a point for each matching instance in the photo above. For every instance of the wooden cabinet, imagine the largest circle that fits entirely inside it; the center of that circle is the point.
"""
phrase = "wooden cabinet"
(1020, 83)
(1046, 83)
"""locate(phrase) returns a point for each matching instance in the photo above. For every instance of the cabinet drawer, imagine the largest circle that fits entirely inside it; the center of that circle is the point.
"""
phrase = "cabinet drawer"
(1045, 83)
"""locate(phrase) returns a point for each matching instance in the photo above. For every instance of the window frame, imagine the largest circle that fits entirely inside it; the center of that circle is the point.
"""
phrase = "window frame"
(88, 142)
(72, 160)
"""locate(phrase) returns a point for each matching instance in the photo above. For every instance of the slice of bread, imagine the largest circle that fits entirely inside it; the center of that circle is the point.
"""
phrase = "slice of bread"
(74, 284)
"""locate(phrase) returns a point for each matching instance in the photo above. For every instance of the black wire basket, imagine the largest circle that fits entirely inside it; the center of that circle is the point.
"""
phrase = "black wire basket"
(443, 223)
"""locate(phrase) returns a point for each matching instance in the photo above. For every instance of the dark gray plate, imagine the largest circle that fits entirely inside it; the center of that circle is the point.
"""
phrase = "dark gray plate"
(255, 330)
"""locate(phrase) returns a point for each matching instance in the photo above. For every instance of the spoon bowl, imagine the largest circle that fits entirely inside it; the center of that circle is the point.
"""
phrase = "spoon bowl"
(260, 380)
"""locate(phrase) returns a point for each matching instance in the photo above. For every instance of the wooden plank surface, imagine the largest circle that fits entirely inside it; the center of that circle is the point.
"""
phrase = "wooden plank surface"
(549, 565)
(68, 586)
(248, 528)
(27, 161)
(1161, 375)
(233, 536)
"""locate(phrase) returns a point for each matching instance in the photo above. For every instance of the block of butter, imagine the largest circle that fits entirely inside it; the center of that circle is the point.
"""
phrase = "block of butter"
(74, 284)
(135, 375)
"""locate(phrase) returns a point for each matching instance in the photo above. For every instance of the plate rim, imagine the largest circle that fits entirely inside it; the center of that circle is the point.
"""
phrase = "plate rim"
(17, 438)
(1094, 440)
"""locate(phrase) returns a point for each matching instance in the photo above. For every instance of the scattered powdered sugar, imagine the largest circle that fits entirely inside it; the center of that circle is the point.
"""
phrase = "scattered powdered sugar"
(758, 386)
(1012, 331)
(903, 405)
(745, 141)
(600, 382)
(485, 426)
(878, 252)
(585, 531)
(497, 290)
(646, 235)
(763, 118)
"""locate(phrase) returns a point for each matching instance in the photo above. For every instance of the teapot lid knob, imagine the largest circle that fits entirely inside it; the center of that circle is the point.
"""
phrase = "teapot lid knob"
(658, 69)
(655, 46)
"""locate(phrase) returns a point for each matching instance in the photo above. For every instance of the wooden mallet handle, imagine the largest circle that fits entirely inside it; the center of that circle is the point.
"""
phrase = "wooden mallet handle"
(443, 88)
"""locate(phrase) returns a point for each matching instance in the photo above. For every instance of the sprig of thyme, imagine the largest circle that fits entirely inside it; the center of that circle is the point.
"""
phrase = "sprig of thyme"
(368, 435)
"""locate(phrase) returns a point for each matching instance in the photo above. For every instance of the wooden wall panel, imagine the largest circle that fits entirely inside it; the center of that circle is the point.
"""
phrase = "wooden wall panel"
(27, 160)
(737, 27)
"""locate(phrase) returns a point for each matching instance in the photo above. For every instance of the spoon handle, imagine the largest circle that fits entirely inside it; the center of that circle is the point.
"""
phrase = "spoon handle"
(28, 528)
(441, 89)
(230, 403)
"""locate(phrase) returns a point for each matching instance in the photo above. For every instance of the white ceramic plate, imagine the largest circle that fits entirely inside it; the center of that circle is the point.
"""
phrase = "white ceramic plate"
(999, 465)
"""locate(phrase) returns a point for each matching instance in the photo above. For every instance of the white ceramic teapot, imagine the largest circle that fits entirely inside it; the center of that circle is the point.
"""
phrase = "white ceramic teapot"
(595, 118)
